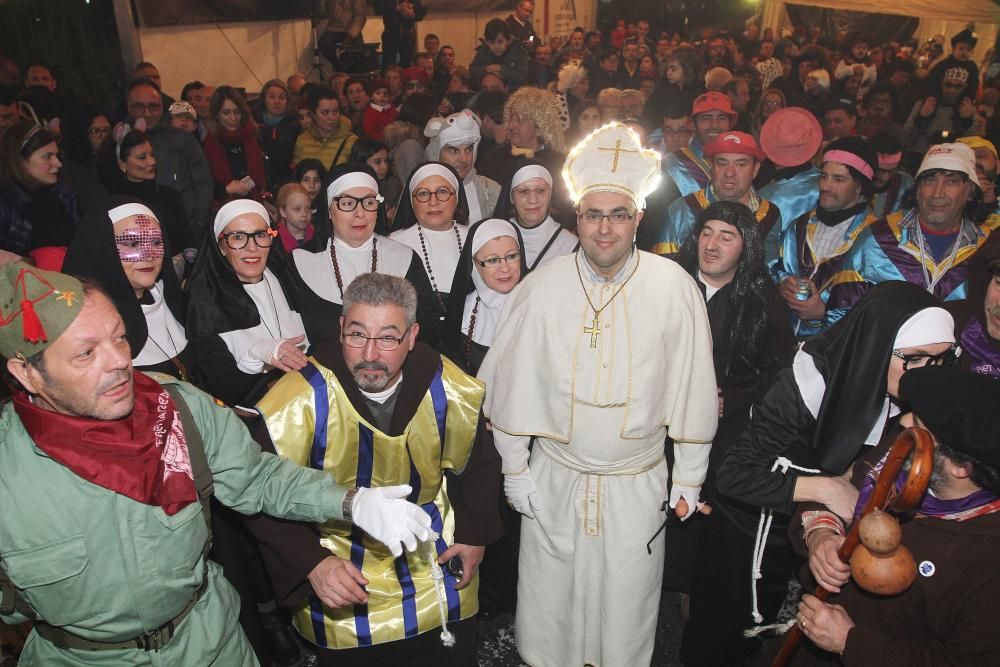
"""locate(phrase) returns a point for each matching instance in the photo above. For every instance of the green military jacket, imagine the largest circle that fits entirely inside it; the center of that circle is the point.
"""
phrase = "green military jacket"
(108, 568)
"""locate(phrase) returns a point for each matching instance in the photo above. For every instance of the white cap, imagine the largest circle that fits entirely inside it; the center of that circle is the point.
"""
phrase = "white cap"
(953, 157)
(612, 159)
(429, 170)
(352, 179)
(119, 213)
(235, 209)
(491, 229)
(926, 327)
(526, 173)
(457, 129)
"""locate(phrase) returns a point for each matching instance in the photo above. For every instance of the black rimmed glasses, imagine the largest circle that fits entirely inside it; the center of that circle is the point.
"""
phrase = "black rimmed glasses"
(239, 240)
(442, 194)
(347, 203)
(616, 217)
(494, 262)
(946, 358)
(384, 343)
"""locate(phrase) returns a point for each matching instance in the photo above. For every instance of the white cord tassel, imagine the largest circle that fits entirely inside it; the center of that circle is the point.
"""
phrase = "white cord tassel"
(763, 529)
(779, 629)
(447, 638)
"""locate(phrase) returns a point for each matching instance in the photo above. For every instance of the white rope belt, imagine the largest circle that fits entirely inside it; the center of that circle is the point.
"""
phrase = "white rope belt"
(763, 529)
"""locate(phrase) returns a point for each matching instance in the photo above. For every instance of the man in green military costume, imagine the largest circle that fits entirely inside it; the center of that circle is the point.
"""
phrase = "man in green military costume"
(376, 408)
(103, 539)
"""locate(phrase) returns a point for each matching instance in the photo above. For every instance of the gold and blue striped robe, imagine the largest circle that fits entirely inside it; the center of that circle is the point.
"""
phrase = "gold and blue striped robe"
(311, 420)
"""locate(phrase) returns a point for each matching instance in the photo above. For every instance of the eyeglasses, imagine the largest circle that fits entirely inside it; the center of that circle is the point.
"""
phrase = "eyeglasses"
(347, 203)
(538, 192)
(946, 358)
(139, 107)
(384, 343)
(494, 262)
(94, 131)
(239, 240)
(615, 217)
(442, 194)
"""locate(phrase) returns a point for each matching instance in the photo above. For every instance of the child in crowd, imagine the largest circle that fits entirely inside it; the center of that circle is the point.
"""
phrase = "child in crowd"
(310, 174)
(375, 154)
(380, 111)
(295, 226)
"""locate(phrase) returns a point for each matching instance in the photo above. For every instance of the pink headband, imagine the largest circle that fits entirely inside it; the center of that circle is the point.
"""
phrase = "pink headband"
(889, 160)
(851, 160)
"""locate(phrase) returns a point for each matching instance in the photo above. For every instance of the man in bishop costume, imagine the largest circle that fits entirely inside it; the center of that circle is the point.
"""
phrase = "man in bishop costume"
(601, 357)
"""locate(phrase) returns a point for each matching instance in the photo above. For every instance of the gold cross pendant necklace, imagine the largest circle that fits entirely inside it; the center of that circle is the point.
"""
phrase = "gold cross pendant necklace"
(595, 328)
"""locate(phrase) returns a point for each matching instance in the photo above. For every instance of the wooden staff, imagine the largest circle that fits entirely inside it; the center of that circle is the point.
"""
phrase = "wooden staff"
(912, 439)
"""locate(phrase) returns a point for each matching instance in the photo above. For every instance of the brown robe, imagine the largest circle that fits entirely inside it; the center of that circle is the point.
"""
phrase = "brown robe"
(951, 613)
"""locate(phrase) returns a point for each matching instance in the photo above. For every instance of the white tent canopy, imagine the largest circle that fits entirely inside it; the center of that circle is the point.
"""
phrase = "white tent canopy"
(936, 16)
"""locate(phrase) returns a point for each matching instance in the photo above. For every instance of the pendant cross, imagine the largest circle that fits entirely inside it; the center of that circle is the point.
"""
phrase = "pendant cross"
(594, 330)
(618, 150)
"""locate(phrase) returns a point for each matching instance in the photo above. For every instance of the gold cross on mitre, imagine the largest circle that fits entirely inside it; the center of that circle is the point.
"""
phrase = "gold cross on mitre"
(618, 150)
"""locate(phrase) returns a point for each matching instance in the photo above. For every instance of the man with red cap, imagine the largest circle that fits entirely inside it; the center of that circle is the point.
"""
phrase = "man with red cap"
(415, 80)
(735, 160)
(686, 170)
(812, 249)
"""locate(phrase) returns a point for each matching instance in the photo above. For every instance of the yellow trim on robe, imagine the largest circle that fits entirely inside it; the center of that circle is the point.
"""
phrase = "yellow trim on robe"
(665, 248)
(290, 410)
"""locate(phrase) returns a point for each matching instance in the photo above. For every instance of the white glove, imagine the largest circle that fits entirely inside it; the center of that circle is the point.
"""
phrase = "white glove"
(384, 514)
(265, 350)
(522, 494)
(690, 494)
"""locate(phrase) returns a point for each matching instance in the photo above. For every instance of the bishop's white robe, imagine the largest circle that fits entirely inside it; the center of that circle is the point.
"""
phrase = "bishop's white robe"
(588, 591)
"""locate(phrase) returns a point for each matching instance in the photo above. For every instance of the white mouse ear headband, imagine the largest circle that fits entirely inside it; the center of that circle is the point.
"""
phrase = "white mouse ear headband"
(28, 111)
(121, 131)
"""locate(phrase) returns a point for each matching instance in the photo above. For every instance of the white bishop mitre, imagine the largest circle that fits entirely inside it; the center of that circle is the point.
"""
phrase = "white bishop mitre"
(612, 159)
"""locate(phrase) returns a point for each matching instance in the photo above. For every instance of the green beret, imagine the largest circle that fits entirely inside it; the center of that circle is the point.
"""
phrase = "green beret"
(36, 306)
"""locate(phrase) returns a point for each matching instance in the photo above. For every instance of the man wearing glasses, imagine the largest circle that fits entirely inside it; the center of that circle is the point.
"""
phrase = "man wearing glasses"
(378, 408)
(599, 357)
(180, 161)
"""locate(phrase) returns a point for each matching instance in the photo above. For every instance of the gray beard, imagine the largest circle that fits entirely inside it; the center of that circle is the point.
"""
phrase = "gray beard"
(371, 386)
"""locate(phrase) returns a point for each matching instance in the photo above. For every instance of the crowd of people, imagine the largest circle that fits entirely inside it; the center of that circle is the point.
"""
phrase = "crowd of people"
(580, 321)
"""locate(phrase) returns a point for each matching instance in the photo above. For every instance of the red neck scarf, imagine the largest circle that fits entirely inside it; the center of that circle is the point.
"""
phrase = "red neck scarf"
(215, 153)
(143, 456)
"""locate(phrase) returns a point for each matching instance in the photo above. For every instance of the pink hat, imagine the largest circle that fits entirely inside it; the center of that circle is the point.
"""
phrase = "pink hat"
(791, 136)
(734, 142)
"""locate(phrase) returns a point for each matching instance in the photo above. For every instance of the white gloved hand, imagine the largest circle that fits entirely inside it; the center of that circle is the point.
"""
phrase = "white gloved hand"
(265, 350)
(522, 494)
(690, 494)
(384, 514)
